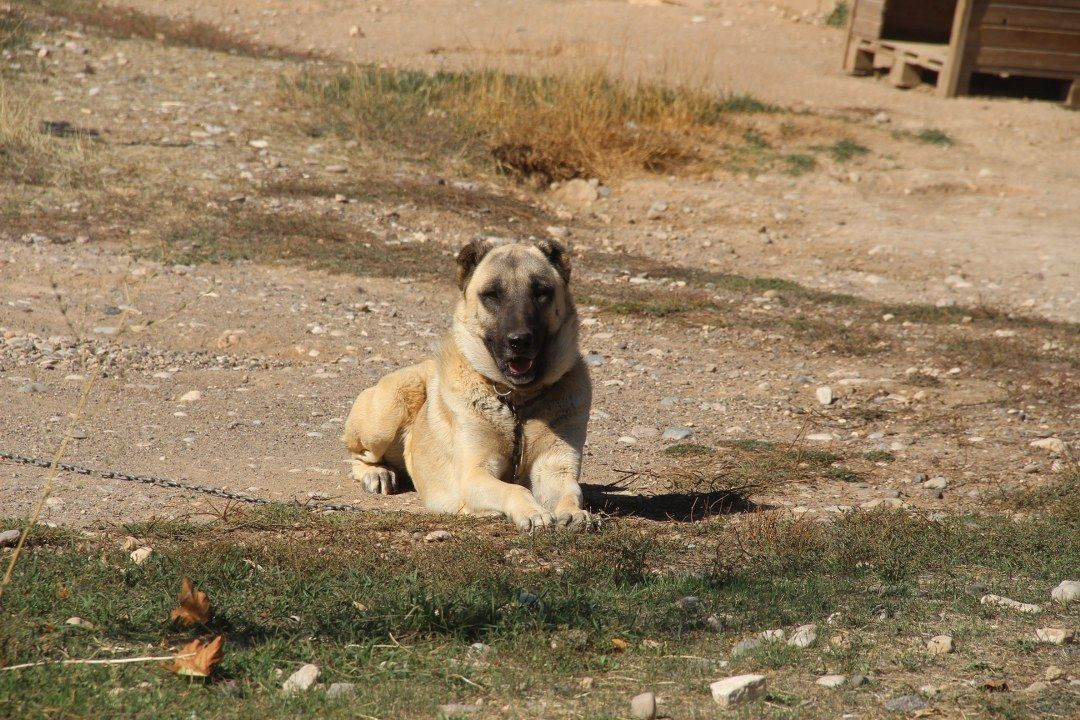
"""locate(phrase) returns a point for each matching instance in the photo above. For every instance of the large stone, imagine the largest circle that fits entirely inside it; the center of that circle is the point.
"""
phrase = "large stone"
(1054, 636)
(1010, 603)
(339, 690)
(940, 645)
(804, 636)
(674, 434)
(906, 703)
(737, 689)
(1068, 591)
(824, 395)
(301, 680)
(9, 537)
(831, 681)
(1051, 444)
(141, 555)
(643, 706)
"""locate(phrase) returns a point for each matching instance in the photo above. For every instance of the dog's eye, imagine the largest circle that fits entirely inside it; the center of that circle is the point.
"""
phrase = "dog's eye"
(490, 297)
(543, 294)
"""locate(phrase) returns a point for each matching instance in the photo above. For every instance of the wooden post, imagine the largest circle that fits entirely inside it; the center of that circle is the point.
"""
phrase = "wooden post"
(950, 81)
(1072, 100)
(848, 57)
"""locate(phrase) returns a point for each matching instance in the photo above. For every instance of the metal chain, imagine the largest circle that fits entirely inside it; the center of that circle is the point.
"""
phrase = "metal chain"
(174, 484)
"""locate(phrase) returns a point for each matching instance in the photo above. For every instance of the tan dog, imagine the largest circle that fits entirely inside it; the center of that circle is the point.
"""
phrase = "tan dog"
(495, 423)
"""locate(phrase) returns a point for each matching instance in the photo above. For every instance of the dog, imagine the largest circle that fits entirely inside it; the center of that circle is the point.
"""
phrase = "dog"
(495, 423)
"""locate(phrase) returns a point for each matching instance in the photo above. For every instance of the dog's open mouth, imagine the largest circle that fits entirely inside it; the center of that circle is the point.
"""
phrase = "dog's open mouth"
(519, 367)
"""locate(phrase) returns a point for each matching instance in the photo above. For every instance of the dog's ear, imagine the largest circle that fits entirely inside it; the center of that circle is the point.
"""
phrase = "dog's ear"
(557, 255)
(468, 258)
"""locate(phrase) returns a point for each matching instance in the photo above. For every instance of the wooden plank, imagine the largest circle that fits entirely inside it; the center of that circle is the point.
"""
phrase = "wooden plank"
(1025, 17)
(955, 73)
(904, 74)
(1023, 39)
(1028, 62)
(869, 9)
(1067, 4)
(866, 29)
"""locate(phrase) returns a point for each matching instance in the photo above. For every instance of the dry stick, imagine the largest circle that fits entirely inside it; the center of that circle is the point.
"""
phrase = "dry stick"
(113, 661)
(54, 470)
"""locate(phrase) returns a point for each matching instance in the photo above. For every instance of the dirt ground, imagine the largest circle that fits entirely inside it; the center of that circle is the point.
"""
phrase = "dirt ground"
(277, 352)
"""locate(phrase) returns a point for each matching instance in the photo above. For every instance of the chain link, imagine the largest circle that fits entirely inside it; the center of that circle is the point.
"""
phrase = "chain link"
(174, 484)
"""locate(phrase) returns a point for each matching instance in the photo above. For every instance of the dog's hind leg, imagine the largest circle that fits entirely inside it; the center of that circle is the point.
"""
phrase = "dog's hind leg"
(376, 427)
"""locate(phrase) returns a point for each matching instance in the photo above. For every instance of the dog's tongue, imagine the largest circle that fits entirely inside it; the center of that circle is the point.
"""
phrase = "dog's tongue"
(519, 367)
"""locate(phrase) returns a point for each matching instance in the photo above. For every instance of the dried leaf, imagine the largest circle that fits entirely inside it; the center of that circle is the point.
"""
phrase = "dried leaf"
(619, 644)
(195, 608)
(201, 658)
(996, 686)
(63, 593)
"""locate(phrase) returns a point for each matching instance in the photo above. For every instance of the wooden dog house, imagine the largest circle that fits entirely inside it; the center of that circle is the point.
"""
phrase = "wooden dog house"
(958, 38)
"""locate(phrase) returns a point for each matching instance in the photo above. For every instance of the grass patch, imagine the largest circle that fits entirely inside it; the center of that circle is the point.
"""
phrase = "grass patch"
(879, 456)
(30, 156)
(361, 598)
(844, 150)
(930, 136)
(799, 163)
(540, 129)
(838, 16)
(12, 28)
(681, 450)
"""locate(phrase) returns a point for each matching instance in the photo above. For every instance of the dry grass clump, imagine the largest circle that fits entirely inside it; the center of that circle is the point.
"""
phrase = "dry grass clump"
(538, 128)
(28, 155)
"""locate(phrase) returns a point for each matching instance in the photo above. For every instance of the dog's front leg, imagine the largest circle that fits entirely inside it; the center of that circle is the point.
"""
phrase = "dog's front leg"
(482, 492)
(554, 480)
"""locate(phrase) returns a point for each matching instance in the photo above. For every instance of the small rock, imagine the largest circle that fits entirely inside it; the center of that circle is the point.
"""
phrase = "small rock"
(141, 555)
(674, 434)
(831, 681)
(938, 483)
(882, 118)
(336, 169)
(341, 689)
(1036, 687)
(191, 396)
(820, 437)
(1010, 603)
(656, 210)
(940, 645)
(1054, 636)
(79, 434)
(55, 502)
(627, 440)
(1053, 673)
(906, 703)
(576, 192)
(824, 395)
(745, 646)
(594, 360)
(9, 538)
(302, 679)
(738, 689)
(259, 144)
(1068, 591)
(456, 709)
(130, 543)
(858, 680)
(480, 648)
(79, 622)
(1051, 444)
(644, 706)
(804, 636)
(437, 536)
(690, 602)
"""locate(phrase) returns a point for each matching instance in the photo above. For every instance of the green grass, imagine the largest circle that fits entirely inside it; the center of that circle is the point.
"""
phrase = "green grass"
(359, 597)
(879, 456)
(687, 450)
(838, 17)
(934, 137)
(12, 28)
(799, 163)
(844, 150)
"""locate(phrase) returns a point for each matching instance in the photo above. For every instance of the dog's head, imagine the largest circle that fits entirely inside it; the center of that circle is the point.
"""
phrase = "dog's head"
(515, 322)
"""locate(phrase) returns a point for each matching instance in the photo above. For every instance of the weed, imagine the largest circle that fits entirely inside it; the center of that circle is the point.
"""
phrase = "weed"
(12, 28)
(931, 136)
(30, 156)
(838, 17)
(842, 474)
(879, 456)
(844, 150)
(687, 450)
(799, 163)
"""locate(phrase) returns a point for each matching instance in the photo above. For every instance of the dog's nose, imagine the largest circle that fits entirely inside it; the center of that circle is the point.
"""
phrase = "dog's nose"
(520, 340)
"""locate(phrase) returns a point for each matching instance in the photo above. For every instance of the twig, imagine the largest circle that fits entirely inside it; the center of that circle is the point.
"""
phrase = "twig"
(88, 386)
(104, 661)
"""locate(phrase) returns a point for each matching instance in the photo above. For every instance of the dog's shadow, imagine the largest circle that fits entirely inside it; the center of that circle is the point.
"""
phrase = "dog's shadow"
(673, 506)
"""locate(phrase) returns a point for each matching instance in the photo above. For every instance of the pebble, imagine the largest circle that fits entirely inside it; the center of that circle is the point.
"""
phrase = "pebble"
(455, 709)
(1054, 636)
(882, 118)
(55, 502)
(437, 536)
(745, 646)
(191, 396)
(1053, 673)
(594, 360)
(906, 703)
(1009, 603)
(737, 689)
(820, 437)
(938, 483)
(336, 169)
(79, 622)
(804, 636)
(302, 679)
(675, 434)
(79, 434)
(1068, 591)
(644, 706)
(858, 680)
(9, 538)
(824, 395)
(141, 555)
(656, 210)
(341, 689)
(831, 681)
(627, 440)
(940, 645)
(1051, 444)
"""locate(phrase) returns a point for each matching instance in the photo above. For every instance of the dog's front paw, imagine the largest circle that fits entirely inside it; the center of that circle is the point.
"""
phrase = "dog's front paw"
(540, 521)
(576, 519)
(380, 480)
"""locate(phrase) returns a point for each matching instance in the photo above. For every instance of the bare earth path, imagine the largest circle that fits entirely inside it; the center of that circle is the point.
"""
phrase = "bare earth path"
(277, 353)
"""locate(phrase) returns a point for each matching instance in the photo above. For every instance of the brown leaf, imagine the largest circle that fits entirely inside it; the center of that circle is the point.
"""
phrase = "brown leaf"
(996, 686)
(202, 658)
(619, 644)
(194, 607)
(62, 593)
